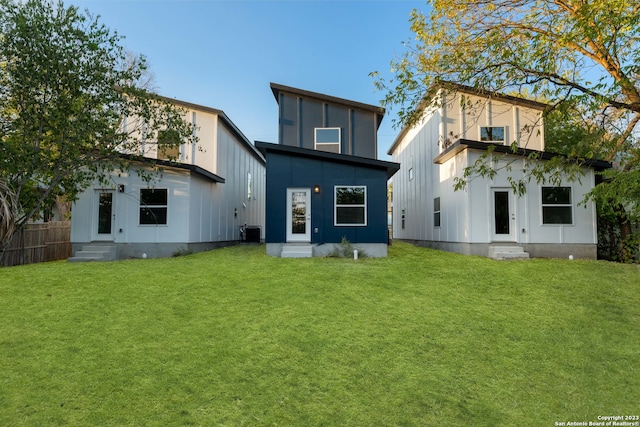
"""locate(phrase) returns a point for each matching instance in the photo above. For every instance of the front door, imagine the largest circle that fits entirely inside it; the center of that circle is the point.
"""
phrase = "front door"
(103, 216)
(298, 215)
(504, 217)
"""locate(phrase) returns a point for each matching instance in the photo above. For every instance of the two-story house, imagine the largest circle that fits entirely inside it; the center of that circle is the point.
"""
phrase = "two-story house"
(324, 182)
(487, 218)
(203, 198)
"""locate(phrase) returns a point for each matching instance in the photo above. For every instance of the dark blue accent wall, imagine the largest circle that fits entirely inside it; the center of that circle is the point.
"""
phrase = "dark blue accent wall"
(290, 171)
(299, 116)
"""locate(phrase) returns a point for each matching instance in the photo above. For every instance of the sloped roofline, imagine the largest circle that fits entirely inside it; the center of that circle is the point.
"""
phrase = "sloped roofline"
(225, 119)
(277, 88)
(457, 87)
(465, 144)
(210, 176)
(390, 167)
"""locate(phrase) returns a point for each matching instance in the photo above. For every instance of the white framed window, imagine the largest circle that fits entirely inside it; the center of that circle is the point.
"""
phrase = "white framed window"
(557, 207)
(350, 205)
(153, 206)
(492, 134)
(328, 139)
(249, 186)
(436, 212)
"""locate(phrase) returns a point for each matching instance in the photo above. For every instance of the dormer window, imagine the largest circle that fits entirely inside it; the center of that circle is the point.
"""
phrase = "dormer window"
(327, 139)
(492, 133)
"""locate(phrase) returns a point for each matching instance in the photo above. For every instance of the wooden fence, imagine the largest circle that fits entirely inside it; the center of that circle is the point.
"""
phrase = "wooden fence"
(38, 243)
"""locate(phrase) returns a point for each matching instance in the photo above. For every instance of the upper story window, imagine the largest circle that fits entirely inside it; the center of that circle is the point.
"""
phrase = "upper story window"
(169, 144)
(327, 139)
(492, 133)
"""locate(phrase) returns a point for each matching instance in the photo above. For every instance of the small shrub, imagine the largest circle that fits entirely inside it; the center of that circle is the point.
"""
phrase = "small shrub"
(345, 250)
(182, 252)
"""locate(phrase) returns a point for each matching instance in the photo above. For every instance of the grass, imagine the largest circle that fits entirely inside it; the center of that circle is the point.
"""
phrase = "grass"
(233, 337)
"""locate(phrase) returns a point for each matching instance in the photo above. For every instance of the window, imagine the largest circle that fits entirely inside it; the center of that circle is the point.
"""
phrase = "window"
(249, 186)
(492, 133)
(350, 205)
(556, 205)
(436, 212)
(327, 139)
(153, 206)
(169, 144)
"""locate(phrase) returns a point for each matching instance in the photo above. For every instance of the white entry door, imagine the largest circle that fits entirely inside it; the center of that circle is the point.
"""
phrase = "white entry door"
(103, 216)
(298, 215)
(504, 215)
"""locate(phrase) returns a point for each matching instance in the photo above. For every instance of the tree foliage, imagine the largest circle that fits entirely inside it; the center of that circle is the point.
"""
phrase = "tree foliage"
(67, 87)
(581, 57)
(582, 52)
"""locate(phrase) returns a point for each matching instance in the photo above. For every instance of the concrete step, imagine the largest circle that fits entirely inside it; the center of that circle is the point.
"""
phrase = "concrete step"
(507, 252)
(94, 253)
(297, 251)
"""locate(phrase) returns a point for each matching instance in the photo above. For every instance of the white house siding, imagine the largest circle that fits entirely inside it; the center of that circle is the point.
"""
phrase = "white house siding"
(467, 215)
(201, 214)
(234, 164)
(126, 229)
(415, 196)
(465, 113)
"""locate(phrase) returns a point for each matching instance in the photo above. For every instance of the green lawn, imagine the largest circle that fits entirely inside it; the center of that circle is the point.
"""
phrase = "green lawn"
(233, 337)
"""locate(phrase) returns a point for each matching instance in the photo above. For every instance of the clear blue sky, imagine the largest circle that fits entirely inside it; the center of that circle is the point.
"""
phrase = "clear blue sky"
(224, 54)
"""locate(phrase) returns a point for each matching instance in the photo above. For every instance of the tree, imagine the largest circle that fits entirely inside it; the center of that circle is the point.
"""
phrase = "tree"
(581, 56)
(67, 89)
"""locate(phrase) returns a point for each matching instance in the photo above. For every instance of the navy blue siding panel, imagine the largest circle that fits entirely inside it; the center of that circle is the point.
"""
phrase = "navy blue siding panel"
(289, 125)
(365, 134)
(338, 117)
(300, 116)
(288, 171)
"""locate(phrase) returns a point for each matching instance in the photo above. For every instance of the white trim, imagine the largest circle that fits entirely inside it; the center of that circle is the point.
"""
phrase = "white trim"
(298, 237)
(317, 144)
(335, 206)
(503, 237)
(504, 134)
(95, 236)
(559, 205)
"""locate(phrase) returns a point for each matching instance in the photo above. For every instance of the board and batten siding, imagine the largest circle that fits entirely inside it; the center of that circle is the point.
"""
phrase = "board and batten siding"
(300, 112)
(199, 210)
(467, 215)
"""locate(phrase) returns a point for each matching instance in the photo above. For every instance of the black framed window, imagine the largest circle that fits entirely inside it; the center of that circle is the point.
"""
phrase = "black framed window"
(557, 207)
(153, 206)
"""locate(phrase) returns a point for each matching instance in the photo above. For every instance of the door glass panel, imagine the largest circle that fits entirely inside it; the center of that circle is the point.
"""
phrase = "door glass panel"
(104, 213)
(501, 209)
(298, 212)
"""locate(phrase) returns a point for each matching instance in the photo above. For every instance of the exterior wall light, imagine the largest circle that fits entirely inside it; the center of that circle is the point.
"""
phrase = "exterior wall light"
(316, 189)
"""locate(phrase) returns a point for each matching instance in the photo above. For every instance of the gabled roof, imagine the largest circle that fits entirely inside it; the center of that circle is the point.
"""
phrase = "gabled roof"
(278, 88)
(390, 167)
(456, 87)
(464, 144)
(225, 119)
